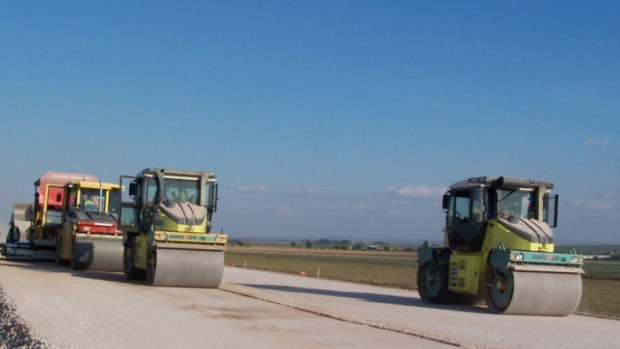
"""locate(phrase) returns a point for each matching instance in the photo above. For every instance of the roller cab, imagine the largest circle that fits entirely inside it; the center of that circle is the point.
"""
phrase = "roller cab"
(499, 247)
(166, 224)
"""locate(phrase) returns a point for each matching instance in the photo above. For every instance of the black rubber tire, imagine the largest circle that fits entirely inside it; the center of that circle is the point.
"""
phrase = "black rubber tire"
(151, 265)
(128, 267)
(59, 260)
(432, 282)
(75, 264)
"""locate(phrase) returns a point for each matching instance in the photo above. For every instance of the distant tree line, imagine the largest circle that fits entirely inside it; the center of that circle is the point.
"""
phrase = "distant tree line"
(349, 245)
(237, 242)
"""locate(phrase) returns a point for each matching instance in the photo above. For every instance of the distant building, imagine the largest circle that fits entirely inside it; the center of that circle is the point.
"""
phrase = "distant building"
(597, 256)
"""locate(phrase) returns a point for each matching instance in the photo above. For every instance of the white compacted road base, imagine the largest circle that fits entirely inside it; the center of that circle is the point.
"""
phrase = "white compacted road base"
(68, 309)
(257, 309)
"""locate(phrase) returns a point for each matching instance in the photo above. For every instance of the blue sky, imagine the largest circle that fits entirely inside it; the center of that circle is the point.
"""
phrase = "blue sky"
(322, 119)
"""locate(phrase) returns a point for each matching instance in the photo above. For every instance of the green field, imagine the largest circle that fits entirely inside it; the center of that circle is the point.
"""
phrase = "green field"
(376, 268)
(601, 284)
(602, 270)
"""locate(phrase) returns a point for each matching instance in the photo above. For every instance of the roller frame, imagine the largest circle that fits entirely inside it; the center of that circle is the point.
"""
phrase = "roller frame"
(432, 278)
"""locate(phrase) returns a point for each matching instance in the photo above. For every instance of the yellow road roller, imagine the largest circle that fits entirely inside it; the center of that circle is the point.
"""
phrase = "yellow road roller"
(166, 223)
(499, 247)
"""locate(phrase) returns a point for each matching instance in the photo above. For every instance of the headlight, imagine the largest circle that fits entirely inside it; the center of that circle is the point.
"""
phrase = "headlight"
(576, 259)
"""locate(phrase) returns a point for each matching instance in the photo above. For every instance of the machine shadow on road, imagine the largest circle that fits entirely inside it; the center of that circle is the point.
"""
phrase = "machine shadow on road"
(33, 265)
(370, 297)
(52, 267)
(101, 275)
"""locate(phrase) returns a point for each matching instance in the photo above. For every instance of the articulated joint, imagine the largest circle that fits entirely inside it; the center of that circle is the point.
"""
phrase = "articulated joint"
(427, 254)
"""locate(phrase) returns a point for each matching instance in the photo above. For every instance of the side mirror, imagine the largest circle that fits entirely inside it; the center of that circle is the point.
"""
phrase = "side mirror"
(212, 204)
(132, 189)
(445, 203)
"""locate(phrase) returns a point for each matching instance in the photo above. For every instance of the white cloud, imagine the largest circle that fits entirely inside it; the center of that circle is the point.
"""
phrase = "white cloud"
(600, 205)
(361, 206)
(303, 190)
(420, 191)
(594, 205)
(406, 212)
(254, 189)
(285, 211)
(597, 141)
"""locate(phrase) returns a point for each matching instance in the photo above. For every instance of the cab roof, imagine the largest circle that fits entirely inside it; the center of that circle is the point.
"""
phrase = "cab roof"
(501, 182)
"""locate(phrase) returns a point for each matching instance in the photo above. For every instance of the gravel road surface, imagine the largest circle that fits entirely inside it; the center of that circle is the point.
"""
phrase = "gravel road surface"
(55, 307)
(66, 309)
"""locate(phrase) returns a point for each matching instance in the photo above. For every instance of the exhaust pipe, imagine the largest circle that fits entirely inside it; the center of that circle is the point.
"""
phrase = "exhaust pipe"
(100, 197)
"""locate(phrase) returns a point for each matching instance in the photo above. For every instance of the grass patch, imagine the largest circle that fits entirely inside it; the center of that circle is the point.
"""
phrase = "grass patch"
(601, 298)
(602, 270)
(360, 268)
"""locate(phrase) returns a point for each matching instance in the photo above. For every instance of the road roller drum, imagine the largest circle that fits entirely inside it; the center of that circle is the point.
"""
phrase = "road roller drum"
(530, 292)
(98, 253)
(187, 268)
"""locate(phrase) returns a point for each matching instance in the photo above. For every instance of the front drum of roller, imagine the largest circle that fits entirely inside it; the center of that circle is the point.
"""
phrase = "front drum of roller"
(186, 268)
(98, 254)
(532, 293)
